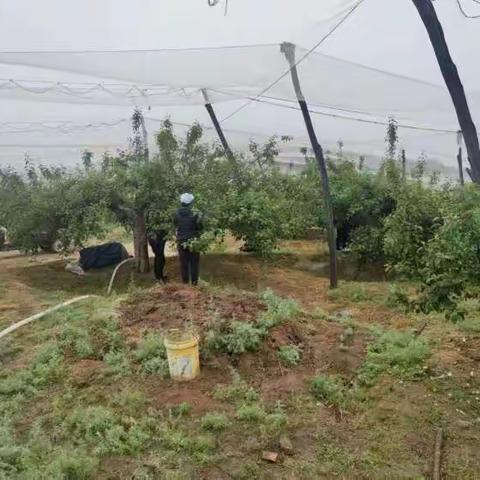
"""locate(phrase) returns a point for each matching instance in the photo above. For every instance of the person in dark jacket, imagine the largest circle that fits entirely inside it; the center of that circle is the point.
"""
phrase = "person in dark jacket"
(189, 227)
(157, 240)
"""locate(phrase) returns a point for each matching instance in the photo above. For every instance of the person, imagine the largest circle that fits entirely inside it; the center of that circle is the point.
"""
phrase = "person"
(189, 227)
(157, 240)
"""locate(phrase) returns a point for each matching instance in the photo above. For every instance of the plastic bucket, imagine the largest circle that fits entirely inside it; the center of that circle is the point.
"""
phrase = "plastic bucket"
(182, 354)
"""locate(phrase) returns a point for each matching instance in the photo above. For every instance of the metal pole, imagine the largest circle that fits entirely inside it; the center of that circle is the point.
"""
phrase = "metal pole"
(404, 165)
(460, 166)
(289, 50)
(216, 124)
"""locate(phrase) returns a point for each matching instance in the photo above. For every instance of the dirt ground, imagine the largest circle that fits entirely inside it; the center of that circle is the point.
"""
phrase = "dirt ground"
(392, 437)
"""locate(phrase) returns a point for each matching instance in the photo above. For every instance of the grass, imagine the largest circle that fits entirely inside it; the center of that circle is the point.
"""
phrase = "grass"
(151, 354)
(251, 413)
(52, 427)
(214, 422)
(400, 353)
(328, 390)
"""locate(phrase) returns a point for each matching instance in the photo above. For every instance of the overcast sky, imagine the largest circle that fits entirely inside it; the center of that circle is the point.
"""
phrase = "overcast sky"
(386, 34)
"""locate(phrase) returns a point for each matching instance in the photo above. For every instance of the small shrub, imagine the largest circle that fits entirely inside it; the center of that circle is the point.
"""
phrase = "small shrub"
(251, 413)
(328, 390)
(289, 356)
(278, 311)
(241, 337)
(214, 422)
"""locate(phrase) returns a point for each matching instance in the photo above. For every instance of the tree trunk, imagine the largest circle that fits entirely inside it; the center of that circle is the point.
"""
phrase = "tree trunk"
(454, 84)
(140, 243)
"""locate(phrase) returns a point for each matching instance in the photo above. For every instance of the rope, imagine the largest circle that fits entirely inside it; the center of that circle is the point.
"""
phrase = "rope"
(300, 60)
(340, 116)
(464, 13)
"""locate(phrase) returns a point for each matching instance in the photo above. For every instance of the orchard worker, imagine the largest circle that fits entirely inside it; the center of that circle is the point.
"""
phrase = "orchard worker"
(189, 227)
(157, 240)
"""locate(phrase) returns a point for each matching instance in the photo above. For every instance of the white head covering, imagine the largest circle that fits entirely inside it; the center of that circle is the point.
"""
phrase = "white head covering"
(186, 198)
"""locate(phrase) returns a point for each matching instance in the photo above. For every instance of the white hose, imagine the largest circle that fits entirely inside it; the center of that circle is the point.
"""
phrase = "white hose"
(114, 274)
(14, 327)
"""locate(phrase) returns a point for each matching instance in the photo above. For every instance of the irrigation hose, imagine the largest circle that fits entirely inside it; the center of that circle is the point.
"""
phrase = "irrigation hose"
(37, 316)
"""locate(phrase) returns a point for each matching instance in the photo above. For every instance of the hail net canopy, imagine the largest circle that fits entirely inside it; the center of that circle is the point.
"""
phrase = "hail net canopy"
(58, 101)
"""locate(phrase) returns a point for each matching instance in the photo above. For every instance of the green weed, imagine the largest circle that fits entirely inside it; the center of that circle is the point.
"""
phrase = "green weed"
(100, 428)
(278, 311)
(45, 370)
(400, 353)
(251, 413)
(238, 392)
(289, 356)
(398, 298)
(77, 339)
(152, 355)
(118, 363)
(240, 337)
(355, 292)
(181, 410)
(328, 390)
(130, 401)
(214, 422)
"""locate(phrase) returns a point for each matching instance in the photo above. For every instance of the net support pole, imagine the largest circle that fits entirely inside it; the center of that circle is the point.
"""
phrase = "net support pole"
(460, 166)
(288, 49)
(453, 82)
(404, 165)
(216, 124)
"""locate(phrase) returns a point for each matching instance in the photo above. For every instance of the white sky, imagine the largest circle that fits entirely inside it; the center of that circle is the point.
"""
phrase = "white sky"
(386, 34)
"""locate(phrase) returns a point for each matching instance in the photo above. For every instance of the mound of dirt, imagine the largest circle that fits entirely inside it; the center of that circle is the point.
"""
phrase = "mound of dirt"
(175, 306)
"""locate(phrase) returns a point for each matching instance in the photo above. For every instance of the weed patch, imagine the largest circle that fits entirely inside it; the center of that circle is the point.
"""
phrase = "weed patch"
(214, 422)
(152, 355)
(400, 353)
(328, 390)
(289, 356)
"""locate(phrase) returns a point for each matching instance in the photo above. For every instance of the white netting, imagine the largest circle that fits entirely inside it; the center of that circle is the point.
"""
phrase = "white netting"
(54, 100)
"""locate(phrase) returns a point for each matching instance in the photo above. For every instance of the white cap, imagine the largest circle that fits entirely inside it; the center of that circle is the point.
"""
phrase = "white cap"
(186, 198)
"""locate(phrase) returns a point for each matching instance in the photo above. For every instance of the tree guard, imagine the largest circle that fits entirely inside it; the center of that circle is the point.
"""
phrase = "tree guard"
(289, 50)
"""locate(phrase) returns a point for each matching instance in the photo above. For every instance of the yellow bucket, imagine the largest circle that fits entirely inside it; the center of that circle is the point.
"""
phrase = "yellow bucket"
(182, 354)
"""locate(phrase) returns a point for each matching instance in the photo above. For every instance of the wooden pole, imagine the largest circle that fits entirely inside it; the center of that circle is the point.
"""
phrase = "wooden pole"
(454, 84)
(460, 166)
(437, 457)
(216, 124)
(288, 49)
